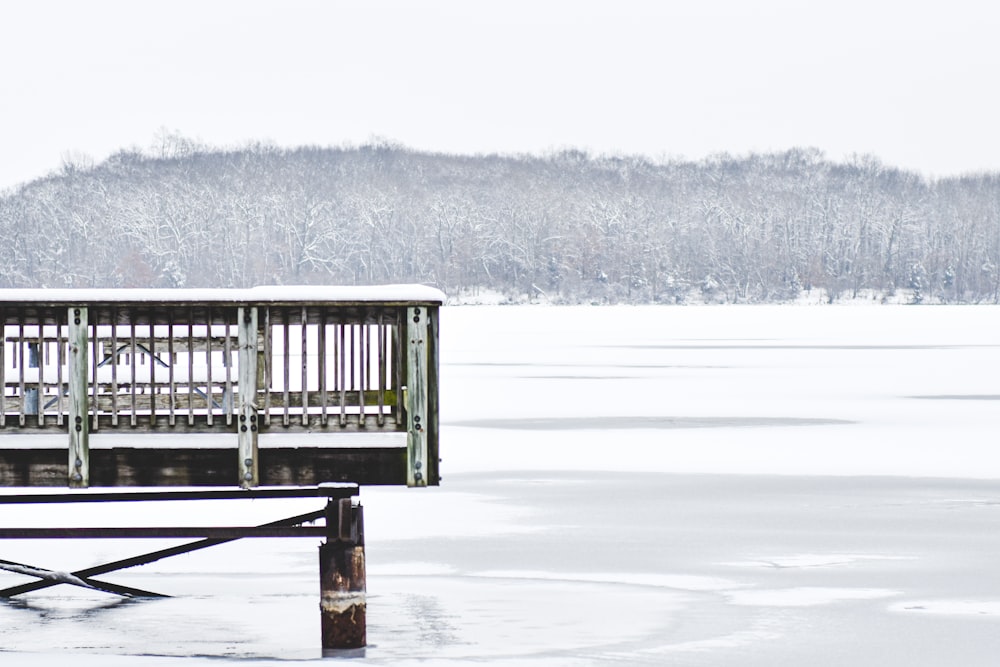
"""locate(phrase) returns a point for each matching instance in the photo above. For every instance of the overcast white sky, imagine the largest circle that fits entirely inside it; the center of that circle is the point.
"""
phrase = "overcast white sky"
(913, 82)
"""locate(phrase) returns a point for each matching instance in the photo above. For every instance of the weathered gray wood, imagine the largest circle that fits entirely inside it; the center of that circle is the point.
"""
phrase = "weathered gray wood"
(321, 355)
(152, 363)
(37, 354)
(416, 396)
(342, 365)
(133, 367)
(433, 397)
(362, 352)
(114, 370)
(93, 316)
(190, 358)
(200, 425)
(304, 360)
(79, 426)
(247, 457)
(399, 358)
(163, 401)
(227, 362)
(370, 361)
(3, 379)
(109, 347)
(286, 363)
(20, 359)
(383, 378)
(267, 379)
(172, 388)
(60, 360)
(208, 354)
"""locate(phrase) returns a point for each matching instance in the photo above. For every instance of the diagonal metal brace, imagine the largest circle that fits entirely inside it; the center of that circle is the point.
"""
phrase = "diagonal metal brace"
(146, 558)
(68, 578)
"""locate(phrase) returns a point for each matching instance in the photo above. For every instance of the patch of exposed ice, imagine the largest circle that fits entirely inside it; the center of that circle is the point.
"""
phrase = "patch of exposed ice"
(989, 608)
(675, 581)
(412, 569)
(804, 596)
(814, 560)
(762, 630)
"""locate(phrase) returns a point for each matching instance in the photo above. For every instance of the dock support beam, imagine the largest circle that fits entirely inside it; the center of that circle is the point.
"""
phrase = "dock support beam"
(342, 577)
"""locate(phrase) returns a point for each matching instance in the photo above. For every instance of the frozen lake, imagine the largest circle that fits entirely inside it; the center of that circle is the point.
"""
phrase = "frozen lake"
(632, 485)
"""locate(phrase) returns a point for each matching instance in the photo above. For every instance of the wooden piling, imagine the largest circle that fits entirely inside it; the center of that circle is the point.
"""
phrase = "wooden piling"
(342, 577)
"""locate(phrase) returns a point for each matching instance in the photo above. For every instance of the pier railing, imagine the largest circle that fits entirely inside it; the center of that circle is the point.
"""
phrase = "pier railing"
(303, 361)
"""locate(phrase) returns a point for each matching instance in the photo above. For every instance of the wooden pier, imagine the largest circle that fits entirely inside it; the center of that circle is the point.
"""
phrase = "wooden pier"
(264, 392)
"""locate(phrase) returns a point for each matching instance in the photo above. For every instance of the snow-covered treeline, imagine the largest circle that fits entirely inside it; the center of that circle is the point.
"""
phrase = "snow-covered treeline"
(754, 228)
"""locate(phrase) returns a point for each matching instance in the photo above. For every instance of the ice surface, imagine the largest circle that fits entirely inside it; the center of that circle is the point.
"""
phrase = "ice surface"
(712, 486)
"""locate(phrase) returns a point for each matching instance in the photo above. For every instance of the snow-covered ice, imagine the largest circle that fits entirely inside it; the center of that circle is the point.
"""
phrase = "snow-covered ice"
(638, 485)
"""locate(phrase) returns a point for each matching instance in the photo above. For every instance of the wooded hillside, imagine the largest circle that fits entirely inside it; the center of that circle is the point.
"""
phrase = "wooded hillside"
(576, 228)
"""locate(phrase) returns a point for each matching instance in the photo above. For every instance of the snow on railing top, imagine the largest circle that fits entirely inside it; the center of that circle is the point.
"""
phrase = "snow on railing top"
(271, 294)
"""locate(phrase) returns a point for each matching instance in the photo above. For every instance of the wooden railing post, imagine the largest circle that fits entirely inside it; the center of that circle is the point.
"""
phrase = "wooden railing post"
(79, 425)
(421, 396)
(248, 426)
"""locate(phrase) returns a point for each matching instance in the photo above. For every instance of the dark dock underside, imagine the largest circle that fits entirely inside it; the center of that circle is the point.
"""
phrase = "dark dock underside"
(279, 466)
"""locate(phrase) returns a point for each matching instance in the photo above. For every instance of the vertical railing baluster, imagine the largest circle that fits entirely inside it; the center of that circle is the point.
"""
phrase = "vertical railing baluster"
(114, 366)
(363, 349)
(380, 415)
(24, 367)
(40, 362)
(343, 368)
(133, 318)
(60, 360)
(305, 368)
(95, 408)
(3, 369)
(286, 363)
(353, 356)
(190, 341)
(153, 363)
(227, 400)
(321, 362)
(398, 366)
(336, 355)
(171, 358)
(209, 390)
(268, 365)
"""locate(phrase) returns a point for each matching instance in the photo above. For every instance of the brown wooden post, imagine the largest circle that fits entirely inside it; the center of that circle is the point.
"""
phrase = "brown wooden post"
(342, 577)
